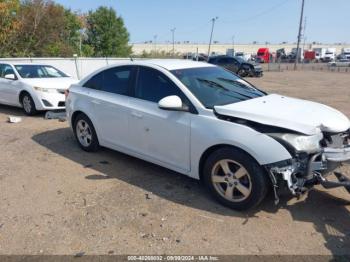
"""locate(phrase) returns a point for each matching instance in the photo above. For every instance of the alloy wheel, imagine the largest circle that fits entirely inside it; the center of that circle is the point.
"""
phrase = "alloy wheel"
(84, 133)
(27, 105)
(231, 180)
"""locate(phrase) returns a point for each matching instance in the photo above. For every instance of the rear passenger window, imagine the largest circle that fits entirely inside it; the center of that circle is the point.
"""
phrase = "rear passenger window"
(95, 82)
(114, 80)
(153, 86)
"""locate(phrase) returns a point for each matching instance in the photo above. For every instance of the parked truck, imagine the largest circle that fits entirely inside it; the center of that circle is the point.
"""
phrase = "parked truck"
(329, 55)
(300, 55)
(309, 56)
(345, 52)
(244, 56)
(264, 55)
(319, 54)
(230, 52)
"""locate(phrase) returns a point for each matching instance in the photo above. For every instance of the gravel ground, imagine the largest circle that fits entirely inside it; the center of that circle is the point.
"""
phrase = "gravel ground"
(57, 199)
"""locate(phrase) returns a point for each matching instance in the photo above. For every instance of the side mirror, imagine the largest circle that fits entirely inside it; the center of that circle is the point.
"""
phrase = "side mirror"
(172, 103)
(10, 77)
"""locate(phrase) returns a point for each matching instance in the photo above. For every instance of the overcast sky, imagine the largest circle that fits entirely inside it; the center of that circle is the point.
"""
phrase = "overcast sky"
(274, 21)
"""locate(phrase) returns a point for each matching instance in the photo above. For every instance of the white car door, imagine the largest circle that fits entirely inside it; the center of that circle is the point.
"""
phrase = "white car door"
(155, 133)
(9, 88)
(107, 92)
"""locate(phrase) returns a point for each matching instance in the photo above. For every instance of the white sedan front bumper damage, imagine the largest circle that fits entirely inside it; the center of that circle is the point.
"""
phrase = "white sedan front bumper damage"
(302, 173)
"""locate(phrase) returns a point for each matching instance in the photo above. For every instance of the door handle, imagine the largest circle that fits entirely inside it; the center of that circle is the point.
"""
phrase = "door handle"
(137, 115)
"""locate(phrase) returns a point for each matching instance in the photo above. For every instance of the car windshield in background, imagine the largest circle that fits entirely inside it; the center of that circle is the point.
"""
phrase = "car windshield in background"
(39, 71)
(215, 86)
(239, 59)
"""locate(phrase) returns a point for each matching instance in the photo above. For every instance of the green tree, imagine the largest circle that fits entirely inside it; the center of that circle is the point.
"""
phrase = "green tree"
(106, 33)
(48, 29)
(9, 26)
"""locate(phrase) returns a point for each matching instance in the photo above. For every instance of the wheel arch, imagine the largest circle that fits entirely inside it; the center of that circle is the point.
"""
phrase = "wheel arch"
(214, 148)
(83, 112)
(75, 115)
(21, 94)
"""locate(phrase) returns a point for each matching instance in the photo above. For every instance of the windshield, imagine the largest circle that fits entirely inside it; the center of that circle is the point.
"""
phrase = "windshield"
(239, 59)
(39, 71)
(215, 86)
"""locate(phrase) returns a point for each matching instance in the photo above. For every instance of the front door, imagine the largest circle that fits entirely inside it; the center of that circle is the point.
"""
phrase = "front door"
(228, 63)
(161, 135)
(8, 87)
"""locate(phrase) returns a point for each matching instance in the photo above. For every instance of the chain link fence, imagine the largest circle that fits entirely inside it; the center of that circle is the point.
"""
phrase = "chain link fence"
(321, 67)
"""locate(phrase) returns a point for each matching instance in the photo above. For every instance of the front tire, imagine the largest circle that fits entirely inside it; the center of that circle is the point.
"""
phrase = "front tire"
(235, 179)
(243, 72)
(85, 133)
(28, 105)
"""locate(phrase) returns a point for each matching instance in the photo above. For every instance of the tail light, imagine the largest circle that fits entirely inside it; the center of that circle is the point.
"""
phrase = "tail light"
(66, 93)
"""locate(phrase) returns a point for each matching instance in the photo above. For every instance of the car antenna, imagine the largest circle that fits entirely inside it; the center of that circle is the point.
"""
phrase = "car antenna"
(131, 59)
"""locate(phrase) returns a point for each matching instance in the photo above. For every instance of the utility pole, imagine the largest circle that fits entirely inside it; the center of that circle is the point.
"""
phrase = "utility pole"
(213, 20)
(173, 32)
(155, 43)
(233, 45)
(304, 34)
(81, 32)
(299, 34)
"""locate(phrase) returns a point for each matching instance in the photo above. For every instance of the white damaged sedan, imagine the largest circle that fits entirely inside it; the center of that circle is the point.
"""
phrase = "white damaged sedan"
(33, 87)
(207, 123)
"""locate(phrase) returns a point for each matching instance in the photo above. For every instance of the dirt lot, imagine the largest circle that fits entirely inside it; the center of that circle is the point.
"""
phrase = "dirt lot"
(57, 199)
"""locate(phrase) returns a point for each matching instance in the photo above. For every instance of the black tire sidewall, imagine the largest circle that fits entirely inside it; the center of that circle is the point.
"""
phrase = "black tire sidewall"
(242, 72)
(257, 174)
(94, 145)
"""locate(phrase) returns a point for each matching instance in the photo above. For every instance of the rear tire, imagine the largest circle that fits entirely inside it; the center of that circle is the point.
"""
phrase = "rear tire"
(235, 179)
(85, 133)
(28, 104)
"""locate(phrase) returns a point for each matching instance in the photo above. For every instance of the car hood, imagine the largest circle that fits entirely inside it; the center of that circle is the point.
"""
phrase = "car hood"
(295, 114)
(54, 83)
(250, 63)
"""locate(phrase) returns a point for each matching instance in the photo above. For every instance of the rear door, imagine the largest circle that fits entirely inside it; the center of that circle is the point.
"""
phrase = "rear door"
(109, 98)
(161, 135)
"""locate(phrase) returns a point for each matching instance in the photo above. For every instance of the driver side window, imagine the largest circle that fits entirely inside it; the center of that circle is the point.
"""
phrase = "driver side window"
(153, 86)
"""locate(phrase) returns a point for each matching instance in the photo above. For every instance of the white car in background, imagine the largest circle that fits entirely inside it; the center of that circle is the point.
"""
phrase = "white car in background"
(207, 123)
(33, 87)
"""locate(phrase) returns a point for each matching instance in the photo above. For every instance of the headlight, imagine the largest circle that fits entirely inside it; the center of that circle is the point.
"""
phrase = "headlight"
(309, 144)
(45, 90)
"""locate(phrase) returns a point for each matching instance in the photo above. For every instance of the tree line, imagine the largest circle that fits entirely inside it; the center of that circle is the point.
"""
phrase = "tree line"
(43, 28)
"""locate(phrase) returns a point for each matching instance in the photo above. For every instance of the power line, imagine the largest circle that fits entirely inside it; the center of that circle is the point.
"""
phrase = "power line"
(256, 15)
(196, 29)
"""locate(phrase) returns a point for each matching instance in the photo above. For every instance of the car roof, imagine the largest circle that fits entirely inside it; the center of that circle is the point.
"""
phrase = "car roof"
(169, 64)
(174, 64)
(220, 56)
(25, 63)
